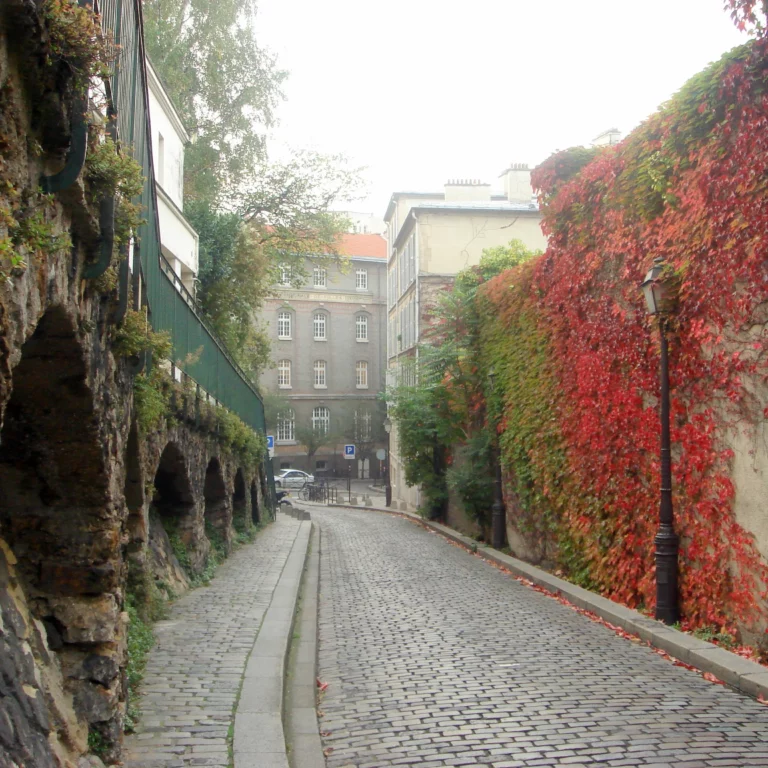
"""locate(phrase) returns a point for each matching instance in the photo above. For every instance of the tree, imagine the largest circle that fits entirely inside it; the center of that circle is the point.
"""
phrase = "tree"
(252, 215)
(364, 427)
(224, 84)
(444, 412)
(313, 438)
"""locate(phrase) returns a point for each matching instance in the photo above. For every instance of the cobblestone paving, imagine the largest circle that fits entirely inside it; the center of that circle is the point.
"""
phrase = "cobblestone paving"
(195, 669)
(435, 658)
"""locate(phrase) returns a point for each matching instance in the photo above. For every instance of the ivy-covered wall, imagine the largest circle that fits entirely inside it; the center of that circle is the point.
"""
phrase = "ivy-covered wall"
(578, 357)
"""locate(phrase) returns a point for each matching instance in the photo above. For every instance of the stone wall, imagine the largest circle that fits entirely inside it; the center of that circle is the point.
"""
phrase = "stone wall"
(79, 486)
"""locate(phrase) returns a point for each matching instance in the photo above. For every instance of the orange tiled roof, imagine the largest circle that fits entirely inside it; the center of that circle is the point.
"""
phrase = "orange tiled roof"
(374, 246)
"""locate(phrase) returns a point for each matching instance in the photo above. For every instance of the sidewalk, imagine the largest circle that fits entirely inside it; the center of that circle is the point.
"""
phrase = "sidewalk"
(195, 671)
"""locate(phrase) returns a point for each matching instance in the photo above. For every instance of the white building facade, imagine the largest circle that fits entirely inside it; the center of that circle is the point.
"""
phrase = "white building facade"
(178, 240)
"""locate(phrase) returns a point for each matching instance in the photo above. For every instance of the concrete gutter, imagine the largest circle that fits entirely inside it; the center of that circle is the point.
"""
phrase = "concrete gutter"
(301, 725)
(743, 675)
(259, 740)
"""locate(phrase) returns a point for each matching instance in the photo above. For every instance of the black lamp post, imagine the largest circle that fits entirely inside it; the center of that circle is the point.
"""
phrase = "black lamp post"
(498, 516)
(658, 299)
(387, 486)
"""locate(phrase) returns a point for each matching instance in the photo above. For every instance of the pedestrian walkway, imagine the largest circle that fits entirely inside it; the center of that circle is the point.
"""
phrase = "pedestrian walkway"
(194, 673)
(435, 658)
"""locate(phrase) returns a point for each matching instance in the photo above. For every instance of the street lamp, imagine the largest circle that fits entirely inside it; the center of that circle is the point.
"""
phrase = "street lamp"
(387, 486)
(659, 300)
(498, 516)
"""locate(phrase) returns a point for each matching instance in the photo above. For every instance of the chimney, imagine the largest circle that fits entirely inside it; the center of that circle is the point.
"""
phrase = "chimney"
(457, 190)
(517, 183)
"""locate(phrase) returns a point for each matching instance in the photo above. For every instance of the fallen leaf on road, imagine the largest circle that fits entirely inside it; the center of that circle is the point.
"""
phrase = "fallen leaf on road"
(321, 686)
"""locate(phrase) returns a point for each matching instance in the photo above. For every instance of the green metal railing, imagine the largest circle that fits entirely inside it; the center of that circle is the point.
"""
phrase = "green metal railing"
(196, 349)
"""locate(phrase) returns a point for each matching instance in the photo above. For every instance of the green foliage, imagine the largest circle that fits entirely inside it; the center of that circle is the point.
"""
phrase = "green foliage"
(75, 37)
(713, 634)
(97, 744)
(470, 476)
(152, 399)
(31, 231)
(135, 336)
(249, 446)
(110, 173)
(140, 642)
(445, 408)
(224, 84)
(234, 278)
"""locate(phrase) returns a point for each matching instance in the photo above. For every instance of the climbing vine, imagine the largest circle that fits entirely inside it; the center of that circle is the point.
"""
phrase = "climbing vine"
(579, 355)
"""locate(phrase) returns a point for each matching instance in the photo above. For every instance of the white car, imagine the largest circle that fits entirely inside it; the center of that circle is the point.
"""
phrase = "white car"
(293, 478)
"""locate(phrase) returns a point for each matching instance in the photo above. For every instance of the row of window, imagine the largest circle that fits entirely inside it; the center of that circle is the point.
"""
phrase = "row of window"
(319, 326)
(320, 278)
(403, 329)
(403, 271)
(320, 371)
(321, 422)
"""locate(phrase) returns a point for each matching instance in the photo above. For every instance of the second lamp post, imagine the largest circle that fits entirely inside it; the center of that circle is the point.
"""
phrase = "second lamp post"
(498, 515)
(659, 300)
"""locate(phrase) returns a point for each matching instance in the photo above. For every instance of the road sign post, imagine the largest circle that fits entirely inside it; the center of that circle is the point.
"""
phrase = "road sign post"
(349, 454)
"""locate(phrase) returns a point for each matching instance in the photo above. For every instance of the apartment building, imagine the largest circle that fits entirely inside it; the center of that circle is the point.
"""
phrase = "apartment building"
(329, 346)
(431, 236)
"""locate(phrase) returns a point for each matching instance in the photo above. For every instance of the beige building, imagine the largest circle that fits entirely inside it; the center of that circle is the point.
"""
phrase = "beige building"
(431, 236)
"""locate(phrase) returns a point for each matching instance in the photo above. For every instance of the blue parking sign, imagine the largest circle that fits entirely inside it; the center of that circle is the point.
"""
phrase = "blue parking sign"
(349, 451)
(271, 442)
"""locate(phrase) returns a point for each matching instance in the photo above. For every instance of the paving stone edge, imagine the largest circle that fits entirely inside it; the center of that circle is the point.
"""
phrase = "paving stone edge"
(743, 675)
(300, 711)
(259, 738)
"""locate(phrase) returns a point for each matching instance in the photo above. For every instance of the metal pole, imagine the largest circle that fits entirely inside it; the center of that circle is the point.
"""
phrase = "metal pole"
(387, 481)
(498, 517)
(666, 541)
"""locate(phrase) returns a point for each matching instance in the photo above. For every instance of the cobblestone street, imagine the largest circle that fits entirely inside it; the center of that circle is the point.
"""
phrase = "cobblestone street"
(435, 658)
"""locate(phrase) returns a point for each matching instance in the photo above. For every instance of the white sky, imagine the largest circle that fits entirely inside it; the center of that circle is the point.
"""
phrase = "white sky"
(420, 91)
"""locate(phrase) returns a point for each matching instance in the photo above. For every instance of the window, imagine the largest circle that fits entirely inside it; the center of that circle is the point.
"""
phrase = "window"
(286, 429)
(320, 464)
(285, 275)
(283, 325)
(319, 277)
(318, 326)
(285, 465)
(321, 419)
(361, 279)
(284, 374)
(361, 375)
(320, 374)
(160, 159)
(361, 328)
(362, 426)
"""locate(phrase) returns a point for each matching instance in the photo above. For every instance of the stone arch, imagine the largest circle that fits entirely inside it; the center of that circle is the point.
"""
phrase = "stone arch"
(175, 540)
(255, 510)
(218, 505)
(60, 519)
(239, 503)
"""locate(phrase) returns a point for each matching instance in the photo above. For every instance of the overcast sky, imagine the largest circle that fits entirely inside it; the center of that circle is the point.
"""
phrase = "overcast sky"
(421, 91)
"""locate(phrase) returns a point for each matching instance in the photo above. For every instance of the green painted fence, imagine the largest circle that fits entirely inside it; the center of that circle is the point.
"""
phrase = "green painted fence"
(196, 349)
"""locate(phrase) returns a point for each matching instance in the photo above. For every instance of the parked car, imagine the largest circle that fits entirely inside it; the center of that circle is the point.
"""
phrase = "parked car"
(293, 478)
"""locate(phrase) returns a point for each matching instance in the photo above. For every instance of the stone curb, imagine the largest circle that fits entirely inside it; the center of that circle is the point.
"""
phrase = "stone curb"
(743, 675)
(302, 727)
(259, 740)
